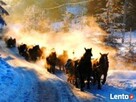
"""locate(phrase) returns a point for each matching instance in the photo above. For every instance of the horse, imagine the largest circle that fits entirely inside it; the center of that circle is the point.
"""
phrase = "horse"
(84, 69)
(35, 52)
(10, 42)
(51, 62)
(100, 67)
(42, 53)
(22, 48)
(62, 59)
(70, 70)
(23, 51)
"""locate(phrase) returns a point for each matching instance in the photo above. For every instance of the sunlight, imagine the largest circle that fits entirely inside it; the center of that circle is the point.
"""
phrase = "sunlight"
(88, 35)
(73, 41)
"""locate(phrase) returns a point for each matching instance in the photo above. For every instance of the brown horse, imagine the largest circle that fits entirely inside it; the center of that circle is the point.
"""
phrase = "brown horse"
(84, 69)
(70, 70)
(51, 62)
(62, 59)
(100, 68)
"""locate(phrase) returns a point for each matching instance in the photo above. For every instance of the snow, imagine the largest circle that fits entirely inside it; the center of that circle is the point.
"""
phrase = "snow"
(22, 81)
(129, 36)
(76, 9)
(16, 84)
(118, 82)
(56, 26)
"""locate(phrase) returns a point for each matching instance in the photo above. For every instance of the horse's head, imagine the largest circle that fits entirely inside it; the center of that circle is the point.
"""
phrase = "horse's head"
(65, 52)
(36, 47)
(54, 55)
(104, 57)
(88, 53)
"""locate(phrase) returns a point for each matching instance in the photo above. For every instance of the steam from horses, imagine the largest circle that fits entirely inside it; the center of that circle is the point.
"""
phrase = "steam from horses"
(73, 41)
(87, 35)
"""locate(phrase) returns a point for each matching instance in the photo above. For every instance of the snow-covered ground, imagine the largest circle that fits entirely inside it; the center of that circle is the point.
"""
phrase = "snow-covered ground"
(118, 82)
(22, 81)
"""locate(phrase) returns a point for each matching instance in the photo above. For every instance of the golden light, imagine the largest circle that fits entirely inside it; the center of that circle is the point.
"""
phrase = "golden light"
(89, 36)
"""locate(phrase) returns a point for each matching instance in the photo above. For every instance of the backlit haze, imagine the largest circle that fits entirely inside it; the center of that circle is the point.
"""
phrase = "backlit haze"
(29, 23)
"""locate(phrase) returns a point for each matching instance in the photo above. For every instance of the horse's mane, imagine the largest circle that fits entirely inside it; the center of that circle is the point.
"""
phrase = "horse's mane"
(95, 62)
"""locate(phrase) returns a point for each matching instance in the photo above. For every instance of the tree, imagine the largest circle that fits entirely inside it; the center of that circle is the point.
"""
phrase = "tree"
(110, 15)
(130, 15)
(96, 6)
(35, 19)
(2, 13)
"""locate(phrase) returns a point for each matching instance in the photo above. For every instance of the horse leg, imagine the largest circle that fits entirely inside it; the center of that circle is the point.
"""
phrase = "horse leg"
(53, 69)
(76, 82)
(99, 82)
(94, 78)
(82, 84)
(59, 67)
(73, 80)
(49, 70)
(63, 68)
(104, 79)
(88, 82)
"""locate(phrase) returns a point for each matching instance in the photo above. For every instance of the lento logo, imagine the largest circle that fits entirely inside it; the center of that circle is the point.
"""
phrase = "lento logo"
(131, 96)
(121, 96)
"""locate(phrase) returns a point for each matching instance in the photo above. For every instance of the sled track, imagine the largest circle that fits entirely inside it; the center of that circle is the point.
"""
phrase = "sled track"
(66, 95)
(27, 91)
(29, 88)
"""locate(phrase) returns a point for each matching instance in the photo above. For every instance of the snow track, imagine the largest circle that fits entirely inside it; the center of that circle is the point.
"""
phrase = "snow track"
(22, 81)
(27, 87)
(18, 86)
(26, 82)
(47, 92)
(66, 95)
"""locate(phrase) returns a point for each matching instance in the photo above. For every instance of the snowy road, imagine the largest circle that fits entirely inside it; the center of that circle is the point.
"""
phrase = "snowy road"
(28, 88)
(22, 81)
(23, 85)
(30, 83)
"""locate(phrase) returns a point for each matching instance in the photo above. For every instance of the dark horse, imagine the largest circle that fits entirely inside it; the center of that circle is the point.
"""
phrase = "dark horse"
(51, 62)
(35, 53)
(100, 68)
(70, 68)
(10, 42)
(23, 51)
(84, 69)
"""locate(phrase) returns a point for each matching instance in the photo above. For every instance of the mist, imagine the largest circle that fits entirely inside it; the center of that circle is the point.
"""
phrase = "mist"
(31, 25)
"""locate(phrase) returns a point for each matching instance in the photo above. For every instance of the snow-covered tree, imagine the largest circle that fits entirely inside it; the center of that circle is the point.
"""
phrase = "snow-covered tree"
(96, 6)
(35, 19)
(67, 19)
(2, 13)
(130, 15)
(110, 15)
